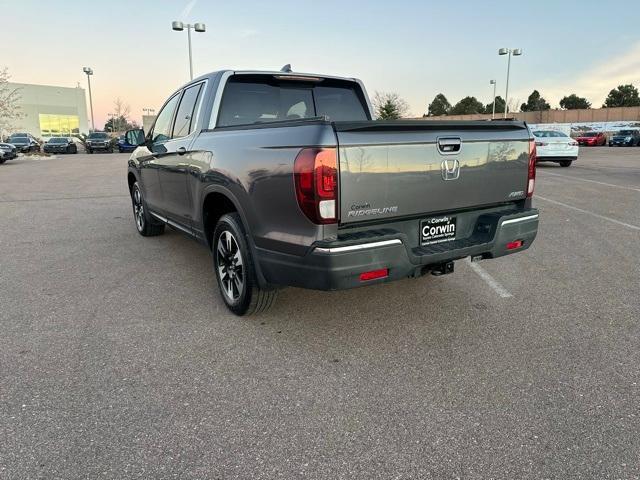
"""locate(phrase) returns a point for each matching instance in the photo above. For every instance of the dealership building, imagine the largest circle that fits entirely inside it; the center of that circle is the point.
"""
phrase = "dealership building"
(49, 111)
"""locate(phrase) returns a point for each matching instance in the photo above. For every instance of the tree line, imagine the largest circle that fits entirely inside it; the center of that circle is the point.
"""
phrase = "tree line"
(621, 96)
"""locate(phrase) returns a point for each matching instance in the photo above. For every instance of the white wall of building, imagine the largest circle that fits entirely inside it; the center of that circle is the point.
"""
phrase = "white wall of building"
(50, 107)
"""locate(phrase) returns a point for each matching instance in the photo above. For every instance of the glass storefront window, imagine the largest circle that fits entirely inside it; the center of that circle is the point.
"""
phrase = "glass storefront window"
(52, 125)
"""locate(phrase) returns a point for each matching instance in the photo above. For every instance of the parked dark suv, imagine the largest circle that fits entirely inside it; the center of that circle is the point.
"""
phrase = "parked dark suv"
(99, 142)
(625, 138)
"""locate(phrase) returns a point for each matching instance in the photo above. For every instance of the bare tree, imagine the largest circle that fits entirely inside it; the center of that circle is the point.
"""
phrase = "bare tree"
(389, 106)
(9, 98)
(121, 112)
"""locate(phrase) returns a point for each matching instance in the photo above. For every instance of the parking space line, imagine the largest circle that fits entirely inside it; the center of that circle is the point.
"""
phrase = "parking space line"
(597, 215)
(590, 181)
(489, 280)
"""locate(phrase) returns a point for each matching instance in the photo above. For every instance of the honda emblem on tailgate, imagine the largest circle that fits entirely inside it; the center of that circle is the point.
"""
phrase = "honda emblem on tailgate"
(450, 169)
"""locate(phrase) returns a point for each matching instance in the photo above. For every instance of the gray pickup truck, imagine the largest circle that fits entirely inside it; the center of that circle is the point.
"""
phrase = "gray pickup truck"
(290, 182)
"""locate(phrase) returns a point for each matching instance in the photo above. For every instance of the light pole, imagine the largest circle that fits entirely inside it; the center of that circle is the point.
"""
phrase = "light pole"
(149, 111)
(198, 27)
(493, 114)
(89, 72)
(508, 51)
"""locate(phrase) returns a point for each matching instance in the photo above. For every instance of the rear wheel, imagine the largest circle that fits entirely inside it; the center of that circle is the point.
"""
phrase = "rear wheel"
(565, 163)
(146, 225)
(234, 268)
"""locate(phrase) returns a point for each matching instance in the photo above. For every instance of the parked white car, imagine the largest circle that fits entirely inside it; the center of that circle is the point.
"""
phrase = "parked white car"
(554, 146)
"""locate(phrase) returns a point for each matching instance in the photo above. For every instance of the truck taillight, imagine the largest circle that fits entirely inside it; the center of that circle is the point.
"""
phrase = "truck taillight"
(316, 180)
(531, 177)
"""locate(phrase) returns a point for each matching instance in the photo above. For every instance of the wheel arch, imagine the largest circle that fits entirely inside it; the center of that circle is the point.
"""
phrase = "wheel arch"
(131, 179)
(216, 202)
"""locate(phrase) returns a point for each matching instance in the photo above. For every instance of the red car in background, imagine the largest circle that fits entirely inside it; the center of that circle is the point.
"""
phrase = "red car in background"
(592, 139)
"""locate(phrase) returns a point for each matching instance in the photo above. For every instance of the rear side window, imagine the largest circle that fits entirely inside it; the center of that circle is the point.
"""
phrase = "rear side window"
(186, 111)
(251, 100)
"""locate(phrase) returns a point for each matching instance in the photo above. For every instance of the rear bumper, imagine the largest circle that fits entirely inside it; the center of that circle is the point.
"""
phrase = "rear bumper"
(338, 265)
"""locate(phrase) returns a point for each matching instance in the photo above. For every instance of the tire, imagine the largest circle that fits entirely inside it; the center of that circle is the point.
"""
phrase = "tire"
(146, 225)
(2, 160)
(565, 163)
(234, 269)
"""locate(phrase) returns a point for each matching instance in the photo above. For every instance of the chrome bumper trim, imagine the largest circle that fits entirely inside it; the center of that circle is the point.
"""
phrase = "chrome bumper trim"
(521, 219)
(360, 246)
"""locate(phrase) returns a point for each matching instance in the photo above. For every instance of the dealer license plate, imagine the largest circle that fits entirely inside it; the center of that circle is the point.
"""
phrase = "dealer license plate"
(437, 229)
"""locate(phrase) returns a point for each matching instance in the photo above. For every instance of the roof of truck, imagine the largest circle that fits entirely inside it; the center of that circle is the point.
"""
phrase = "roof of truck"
(274, 73)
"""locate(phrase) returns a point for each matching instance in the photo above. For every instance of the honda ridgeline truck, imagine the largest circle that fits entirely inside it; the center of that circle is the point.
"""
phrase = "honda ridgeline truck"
(289, 181)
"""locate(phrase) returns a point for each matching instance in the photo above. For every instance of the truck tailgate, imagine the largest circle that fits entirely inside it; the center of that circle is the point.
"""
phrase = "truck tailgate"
(401, 168)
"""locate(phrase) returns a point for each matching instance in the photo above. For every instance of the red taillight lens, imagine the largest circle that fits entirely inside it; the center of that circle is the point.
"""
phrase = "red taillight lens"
(372, 275)
(316, 180)
(514, 245)
(531, 177)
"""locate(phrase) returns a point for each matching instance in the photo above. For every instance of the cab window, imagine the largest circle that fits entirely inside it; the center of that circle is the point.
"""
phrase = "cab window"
(185, 121)
(162, 128)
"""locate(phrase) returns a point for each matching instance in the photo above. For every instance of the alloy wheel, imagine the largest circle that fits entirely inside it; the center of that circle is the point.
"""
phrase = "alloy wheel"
(138, 208)
(230, 266)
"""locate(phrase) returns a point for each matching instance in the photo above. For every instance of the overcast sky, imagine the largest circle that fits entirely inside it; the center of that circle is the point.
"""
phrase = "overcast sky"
(415, 48)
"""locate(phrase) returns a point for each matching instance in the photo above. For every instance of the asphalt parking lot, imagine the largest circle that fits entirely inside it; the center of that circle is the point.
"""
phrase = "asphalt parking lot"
(119, 360)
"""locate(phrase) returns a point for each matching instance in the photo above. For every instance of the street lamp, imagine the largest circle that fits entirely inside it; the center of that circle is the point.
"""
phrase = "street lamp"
(508, 51)
(198, 27)
(89, 72)
(149, 111)
(493, 114)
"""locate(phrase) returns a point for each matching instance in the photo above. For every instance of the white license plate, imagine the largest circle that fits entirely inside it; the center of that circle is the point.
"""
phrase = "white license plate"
(437, 229)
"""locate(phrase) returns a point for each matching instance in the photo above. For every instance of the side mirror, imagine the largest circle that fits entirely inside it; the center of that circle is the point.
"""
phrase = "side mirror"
(135, 137)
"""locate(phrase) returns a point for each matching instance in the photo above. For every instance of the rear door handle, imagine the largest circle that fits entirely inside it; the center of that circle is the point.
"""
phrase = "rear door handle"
(449, 145)
(181, 150)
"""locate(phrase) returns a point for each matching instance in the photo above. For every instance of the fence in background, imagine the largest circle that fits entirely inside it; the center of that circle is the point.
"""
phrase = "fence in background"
(560, 116)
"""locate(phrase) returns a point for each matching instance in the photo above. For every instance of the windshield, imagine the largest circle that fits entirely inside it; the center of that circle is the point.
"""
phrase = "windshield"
(626, 132)
(99, 135)
(58, 140)
(19, 139)
(590, 134)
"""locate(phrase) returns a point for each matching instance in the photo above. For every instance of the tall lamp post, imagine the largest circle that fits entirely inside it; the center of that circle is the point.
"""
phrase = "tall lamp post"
(89, 72)
(198, 27)
(516, 52)
(493, 114)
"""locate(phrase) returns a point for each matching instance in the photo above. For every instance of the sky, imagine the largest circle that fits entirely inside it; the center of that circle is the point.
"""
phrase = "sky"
(414, 48)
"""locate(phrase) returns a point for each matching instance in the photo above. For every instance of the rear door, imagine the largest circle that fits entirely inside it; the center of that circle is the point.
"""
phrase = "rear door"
(393, 169)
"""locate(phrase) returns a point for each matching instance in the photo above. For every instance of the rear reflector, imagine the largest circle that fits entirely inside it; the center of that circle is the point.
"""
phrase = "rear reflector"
(373, 274)
(514, 245)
